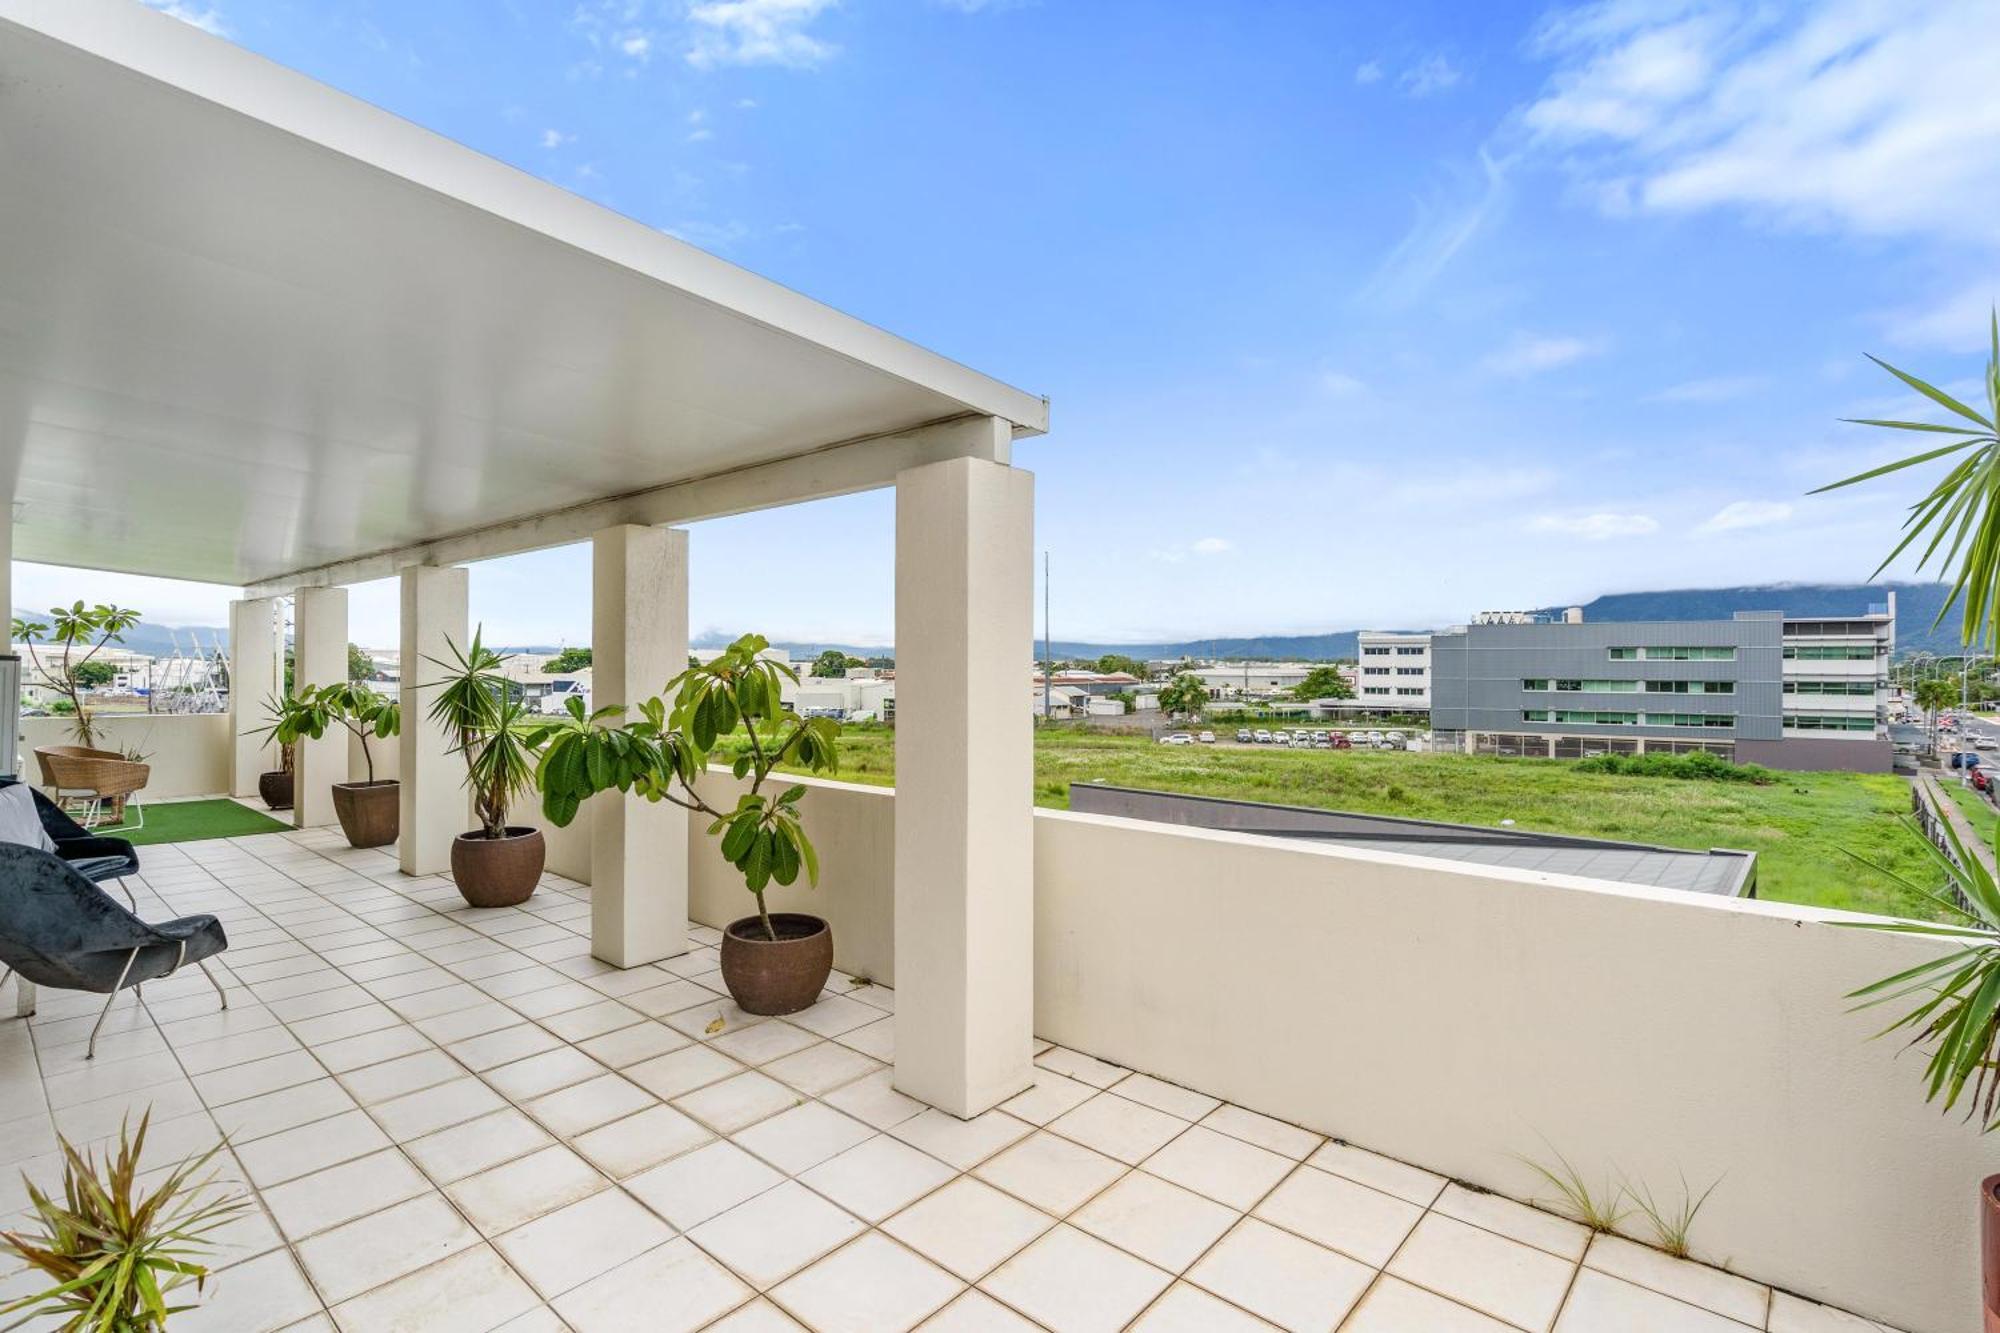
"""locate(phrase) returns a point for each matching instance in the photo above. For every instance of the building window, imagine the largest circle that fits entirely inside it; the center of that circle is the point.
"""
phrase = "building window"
(1690, 719)
(1374, 689)
(1829, 722)
(1581, 716)
(1860, 688)
(1690, 687)
(1409, 652)
(1374, 671)
(1375, 652)
(1535, 684)
(1673, 653)
(1409, 671)
(1407, 691)
(1829, 652)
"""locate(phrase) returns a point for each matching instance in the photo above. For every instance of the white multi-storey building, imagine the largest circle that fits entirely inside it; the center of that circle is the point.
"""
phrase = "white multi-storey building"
(1394, 671)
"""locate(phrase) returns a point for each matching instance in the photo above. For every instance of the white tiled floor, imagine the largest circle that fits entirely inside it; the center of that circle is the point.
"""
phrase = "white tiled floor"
(457, 1119)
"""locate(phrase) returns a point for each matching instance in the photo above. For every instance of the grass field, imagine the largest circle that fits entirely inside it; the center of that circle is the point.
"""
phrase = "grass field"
(1802, 825)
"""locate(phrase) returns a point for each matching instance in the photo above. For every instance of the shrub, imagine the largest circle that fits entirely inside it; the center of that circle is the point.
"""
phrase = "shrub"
(1698, 765)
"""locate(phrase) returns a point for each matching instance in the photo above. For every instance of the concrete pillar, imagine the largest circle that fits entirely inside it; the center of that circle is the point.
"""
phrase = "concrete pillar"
(638, 641)
(435, 804)
(319, 657)
(256, 676)
(964, 784)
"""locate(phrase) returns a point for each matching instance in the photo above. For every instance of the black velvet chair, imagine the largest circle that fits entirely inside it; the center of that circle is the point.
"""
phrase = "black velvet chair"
(97, 858)
(59, 929)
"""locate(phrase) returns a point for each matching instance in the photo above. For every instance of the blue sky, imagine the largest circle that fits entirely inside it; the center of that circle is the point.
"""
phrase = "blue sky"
(1367, 314)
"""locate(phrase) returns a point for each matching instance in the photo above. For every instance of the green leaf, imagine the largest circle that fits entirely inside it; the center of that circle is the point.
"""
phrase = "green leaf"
(1936, 395)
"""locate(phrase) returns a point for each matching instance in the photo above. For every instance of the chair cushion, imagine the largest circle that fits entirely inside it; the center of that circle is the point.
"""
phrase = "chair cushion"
(97, 869)
(20, 821)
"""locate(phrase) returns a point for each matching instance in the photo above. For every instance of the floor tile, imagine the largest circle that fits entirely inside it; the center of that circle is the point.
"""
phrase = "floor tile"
(470, 1292)
(630, 1045)
(1789, 1314)
(628, 1146)
(962, 1143)
(736, 1103)
(701, 1184)
(968, 1227)
(418, 1113)
(1710, 1288)
(802, 1137)
(1049, 1172)
(463, 1150)
(820, 1068)
(575, 1243)
(501, 1046)
(586, 1105)
(393, 1078)
(682, 1071)
(1225, 1169)
(1379, 1172)
(506, 1196)
(770, 1236)
(1117, 1128)
(764, 1042)
(538, 1074)
(1084, 1068)
(1075, 1283)
(873, 1099)
(1340, 1214)
(381, 1247)
(1517, 1221)
(1188, 1309)
(759, 1316)
(1599, 1301)
(1394, 1306)
(976, 1312)
(1290, 1281)
(1050, 1096)
(877, 1177)
(683, 1289)
(264, 1293)
(872, 1285)
(1172, 1098)
(1279, 1137)
(1162, 1223)
(1502, 1277)
(324, 1199)
(296, 1152)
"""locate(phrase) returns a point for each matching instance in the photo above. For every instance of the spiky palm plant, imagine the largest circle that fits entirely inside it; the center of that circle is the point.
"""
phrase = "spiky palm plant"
(117, 1253)
(490, 726)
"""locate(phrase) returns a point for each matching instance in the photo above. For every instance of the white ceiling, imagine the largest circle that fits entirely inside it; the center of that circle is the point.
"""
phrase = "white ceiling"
(249, 325)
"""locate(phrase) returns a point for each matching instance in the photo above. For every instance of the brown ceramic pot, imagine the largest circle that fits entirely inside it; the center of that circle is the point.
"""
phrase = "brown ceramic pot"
(369, 812)
(276, 789)
(498, 872)
(1989, 1251)
(781, 976)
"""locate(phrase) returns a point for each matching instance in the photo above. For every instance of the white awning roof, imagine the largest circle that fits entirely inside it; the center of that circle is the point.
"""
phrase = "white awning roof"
(251, 326)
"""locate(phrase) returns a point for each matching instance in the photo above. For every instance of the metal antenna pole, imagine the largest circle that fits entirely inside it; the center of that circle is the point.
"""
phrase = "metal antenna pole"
(1048, 648)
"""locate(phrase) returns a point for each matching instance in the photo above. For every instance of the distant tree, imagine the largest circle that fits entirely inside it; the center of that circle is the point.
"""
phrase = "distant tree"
(569, 659)
(360, 666)
(1934, 694)
(1185, 696)
(1127, 698)
(96, 675)
(1323, 683)
(881, 663)
(832, 664)
(1112, 663)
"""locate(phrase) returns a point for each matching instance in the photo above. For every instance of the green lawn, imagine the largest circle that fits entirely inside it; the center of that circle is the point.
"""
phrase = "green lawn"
(1802, 825)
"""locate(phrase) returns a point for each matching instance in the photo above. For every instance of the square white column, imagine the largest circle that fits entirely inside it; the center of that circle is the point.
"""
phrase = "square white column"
(256, 676)
(319, 657)
(964, 784)
(638, 642)
(435, 804)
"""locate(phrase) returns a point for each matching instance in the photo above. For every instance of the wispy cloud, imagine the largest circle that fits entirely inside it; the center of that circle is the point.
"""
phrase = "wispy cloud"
(1204, 547)
(1881, 119)
(1740, 514)
(206, 17)
(1447, 221)
(1531, 354)
(1368, 71)
(1594, 527)
(553, 138)
(756, 32)
(1338, 384)
(1433, 74)
(1718, 389)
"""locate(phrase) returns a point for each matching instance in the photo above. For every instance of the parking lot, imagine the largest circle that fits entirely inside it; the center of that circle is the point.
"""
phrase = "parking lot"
(1298, 738)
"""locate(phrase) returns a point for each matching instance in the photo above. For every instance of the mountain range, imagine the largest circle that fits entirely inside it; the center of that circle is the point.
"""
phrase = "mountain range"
(1917, 609)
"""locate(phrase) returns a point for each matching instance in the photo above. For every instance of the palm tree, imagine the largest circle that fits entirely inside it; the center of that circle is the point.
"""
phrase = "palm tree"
(1934, 694)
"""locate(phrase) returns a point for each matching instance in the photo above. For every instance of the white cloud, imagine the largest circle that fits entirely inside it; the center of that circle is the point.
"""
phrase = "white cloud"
(1594, 527)
(556, 138)
(1213, 546)
(637, 45)
(206, 17)
(1878, 118)
(1203, 547)
(1446, 223)
(1339, 384)
(1368, 71)
(756, 32)
(1957, 323)
(1432, 74)
(1528, 354)
(1718, 389)
(1740, 514)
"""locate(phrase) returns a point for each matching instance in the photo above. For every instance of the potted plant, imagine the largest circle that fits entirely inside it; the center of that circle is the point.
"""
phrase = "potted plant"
(115, 1252)
(772, 963)
(291, 718)
(496, 864)
(370, 811)
(276, 786)
(89, 628)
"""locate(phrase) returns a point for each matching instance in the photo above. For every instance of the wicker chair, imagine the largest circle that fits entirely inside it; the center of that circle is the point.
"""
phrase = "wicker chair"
(97, 778)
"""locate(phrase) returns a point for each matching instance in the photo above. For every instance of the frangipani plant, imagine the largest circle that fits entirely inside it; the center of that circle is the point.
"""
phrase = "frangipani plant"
(663, 754)
(75, 627)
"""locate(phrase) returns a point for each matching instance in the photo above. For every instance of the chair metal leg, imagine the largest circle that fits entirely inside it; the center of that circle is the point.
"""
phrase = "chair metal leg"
(24, 997)
(203, 965)
(90, 1051)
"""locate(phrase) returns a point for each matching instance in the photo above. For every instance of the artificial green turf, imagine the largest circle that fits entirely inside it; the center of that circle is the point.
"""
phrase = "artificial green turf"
(193, 821)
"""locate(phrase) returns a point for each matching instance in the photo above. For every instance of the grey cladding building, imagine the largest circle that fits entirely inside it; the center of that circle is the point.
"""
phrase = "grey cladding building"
(1759, 688)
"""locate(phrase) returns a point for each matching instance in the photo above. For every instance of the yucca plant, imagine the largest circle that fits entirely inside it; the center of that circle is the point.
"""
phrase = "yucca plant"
(1964, 506)
(1958, 1016)
(662, 755)
(116, 1253)
(490, 726)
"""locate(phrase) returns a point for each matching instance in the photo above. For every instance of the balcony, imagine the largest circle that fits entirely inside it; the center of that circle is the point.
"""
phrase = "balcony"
(453, 1118)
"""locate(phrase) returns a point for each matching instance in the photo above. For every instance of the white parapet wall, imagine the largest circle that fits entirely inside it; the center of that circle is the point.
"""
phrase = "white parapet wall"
(1461, 1017)
(189, 753)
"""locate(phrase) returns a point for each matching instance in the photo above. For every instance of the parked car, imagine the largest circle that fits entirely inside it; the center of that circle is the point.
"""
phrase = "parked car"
(1395, 736)
(1206, 738)
(1980, 781)
(1281, 738)
(1340, 741)
(1374, 737)
(1263, 736)
(1318, 736)
(1177, 738)
(1983, 742)
(1243, 735)
(1964, 759)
